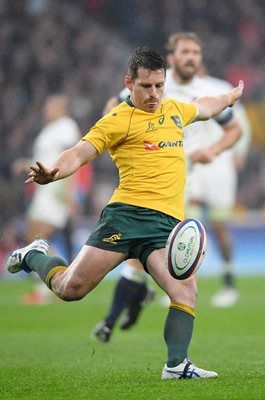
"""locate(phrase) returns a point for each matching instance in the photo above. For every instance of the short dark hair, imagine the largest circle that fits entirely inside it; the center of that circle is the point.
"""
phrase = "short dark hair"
(146, 58)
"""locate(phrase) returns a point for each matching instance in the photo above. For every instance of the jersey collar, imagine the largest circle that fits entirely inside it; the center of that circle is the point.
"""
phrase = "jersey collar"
(129, 101)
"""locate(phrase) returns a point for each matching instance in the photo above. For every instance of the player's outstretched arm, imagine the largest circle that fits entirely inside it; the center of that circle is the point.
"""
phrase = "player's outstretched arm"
(208, 107)
(66, 164)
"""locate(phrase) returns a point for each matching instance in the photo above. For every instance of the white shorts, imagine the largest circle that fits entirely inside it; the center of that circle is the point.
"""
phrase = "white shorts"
(48, 206)
(213, 184)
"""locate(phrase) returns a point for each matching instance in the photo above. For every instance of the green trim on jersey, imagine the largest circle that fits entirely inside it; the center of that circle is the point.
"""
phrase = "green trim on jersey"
(129, 101)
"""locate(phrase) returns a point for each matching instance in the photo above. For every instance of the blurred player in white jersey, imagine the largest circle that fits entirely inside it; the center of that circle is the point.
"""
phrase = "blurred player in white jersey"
(212, 172)
(52, 206)
(220, 179)
(206, 146)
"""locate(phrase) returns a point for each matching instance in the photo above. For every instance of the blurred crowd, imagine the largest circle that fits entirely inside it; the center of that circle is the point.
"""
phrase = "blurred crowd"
(80, 48)
(232, 31)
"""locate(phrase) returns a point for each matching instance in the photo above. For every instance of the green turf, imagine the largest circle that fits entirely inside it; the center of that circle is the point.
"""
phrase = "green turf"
(46, 352)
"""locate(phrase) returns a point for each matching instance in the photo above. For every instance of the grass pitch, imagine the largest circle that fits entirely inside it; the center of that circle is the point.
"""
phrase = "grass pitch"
(46, 352)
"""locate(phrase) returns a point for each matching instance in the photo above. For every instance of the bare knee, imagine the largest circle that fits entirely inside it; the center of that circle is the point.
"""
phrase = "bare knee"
(71, 294)
(69, 291)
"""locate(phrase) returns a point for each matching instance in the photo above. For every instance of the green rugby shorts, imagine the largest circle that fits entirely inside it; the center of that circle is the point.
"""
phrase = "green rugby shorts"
(138, 231)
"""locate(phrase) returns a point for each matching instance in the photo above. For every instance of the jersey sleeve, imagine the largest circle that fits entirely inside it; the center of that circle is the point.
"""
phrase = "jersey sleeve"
(189, 112)
(106, 133)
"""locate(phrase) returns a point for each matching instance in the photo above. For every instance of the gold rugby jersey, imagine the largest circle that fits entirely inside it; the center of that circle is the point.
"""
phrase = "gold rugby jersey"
(147, 149)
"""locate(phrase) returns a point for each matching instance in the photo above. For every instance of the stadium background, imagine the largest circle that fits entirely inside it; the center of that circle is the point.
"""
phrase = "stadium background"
(81, 48)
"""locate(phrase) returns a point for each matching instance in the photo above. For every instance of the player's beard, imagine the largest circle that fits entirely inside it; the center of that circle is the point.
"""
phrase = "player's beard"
(186, 75)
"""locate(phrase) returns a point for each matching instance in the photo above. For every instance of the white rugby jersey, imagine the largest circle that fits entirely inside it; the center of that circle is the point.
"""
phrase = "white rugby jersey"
(199, 134)
(54, 138)
(242, 145)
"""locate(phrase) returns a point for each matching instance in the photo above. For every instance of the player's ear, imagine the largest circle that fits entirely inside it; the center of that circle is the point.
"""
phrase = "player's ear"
(128, 82)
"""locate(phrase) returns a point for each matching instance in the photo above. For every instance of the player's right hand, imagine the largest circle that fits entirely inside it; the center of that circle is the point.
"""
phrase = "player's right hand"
(41, 174)
(202, 156)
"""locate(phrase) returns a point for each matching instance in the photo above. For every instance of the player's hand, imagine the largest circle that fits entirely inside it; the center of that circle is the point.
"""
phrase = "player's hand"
(203, 156)
(41, 175)
(235, 93)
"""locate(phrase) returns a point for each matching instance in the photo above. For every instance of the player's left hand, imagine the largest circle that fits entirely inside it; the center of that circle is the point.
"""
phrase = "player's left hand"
(41, 174)
(203, 156)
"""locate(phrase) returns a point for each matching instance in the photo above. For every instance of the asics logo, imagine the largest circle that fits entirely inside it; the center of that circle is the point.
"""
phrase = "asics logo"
(17, 256)
(185, 375)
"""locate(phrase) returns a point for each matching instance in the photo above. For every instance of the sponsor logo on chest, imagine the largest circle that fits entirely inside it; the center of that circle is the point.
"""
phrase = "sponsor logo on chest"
(149, 146)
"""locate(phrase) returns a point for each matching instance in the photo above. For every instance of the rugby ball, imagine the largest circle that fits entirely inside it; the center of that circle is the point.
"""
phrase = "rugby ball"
(185, 248)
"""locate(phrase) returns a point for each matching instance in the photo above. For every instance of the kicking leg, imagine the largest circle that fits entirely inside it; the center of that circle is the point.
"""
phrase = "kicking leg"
(68, 283)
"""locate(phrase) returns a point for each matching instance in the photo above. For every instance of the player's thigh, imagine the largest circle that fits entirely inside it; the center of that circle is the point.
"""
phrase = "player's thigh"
(183, 292)
(91, 265)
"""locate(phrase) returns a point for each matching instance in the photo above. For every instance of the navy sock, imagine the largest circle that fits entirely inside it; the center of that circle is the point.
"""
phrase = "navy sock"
(229, 279)
(125, 293)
